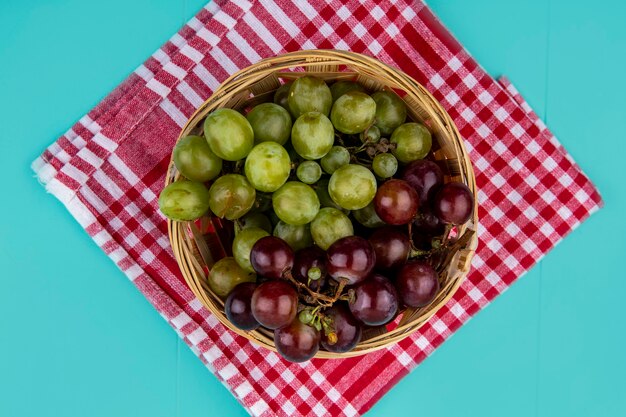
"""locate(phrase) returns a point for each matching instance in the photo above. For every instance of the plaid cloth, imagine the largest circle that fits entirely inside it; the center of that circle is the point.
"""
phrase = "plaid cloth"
(109, 168)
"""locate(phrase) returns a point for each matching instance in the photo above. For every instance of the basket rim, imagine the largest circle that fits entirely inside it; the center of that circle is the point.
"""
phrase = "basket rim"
(310, 58)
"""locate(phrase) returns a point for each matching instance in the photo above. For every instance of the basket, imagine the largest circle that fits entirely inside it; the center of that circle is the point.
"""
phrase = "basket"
(256, 84)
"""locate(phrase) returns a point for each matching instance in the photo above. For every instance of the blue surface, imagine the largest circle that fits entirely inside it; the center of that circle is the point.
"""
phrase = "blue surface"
(76, 338)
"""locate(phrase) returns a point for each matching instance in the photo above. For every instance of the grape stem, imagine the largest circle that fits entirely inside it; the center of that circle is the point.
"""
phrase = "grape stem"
(322, 299)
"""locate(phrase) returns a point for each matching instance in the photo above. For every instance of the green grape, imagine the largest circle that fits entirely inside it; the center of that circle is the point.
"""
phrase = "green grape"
(371, 135)
(226, 274)
(281, 95)
(352, 186)
(231, 196)
(312, 135)
(329, 226)
(184, 200)
(267, 166)
(309, 172)
(309, 94)
(353, 112)
(259, 220)
(229, 134)
(321, 189)
(385, 165)
(413, 141)
(242, 245)
(342, 87)
(295, 203)
(270, 122)
(390, 111)
(298, 237)
(367, 216)
(337, 157)
(195, 160)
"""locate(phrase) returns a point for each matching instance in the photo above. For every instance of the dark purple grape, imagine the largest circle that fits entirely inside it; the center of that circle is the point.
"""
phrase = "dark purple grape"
(351, 258)
(271, 256)
(417, 283)
(425, 177)
(346, 328)
(274, 304)
(375, 301)
(396, 202)
(453, 203)
(391, 246)
(238, 308)
(297, 342)
(427, 223)
(307, 260)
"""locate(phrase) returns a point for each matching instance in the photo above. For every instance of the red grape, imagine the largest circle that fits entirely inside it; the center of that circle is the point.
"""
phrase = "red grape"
(427, 223)
(238, 308)
(417, 283)
(297, 342)
(375, 301)
(305, 259)
(271, 256)
(352, 258)
(454, 203)
(391, 246)
(346, 328)
(396, 202)
(274, 304)
(425, 177)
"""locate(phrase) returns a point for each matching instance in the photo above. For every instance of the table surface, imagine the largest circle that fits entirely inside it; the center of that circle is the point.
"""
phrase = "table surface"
(74, 330)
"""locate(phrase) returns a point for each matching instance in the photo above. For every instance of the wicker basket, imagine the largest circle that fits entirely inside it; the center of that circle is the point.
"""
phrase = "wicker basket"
(256, 84)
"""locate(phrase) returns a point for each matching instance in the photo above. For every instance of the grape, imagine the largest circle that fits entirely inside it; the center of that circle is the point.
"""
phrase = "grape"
(367, 216)
(271, 257)
(243, 243)
(413, 141)
(195, 160)
(396, 202)
(346, 328)
(228, 134)
(184, 200)
(454, 203)
(238, 309)
(417, 283)
(321, 189)
(274, 303)
(267, 166)
(297, 342)
(390, 111)
(231, 196)
(312, 135)
(351, 258)
(375, 301)
(309, 172)
(297, 237)
(259, 220)
(306, 265)
(337, 157)
(353, 112)
(425, 176)
(309, 94)
(281, 95)
(340, 88)
(391, 246)
(352, 186)
(226, 274)
(295, 203)
(385, 165)
(427, 223)
(330, 225)
(270, 122)
(371, 135)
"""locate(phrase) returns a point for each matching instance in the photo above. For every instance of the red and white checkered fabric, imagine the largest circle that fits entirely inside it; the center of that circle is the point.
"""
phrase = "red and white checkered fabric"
(109, 168)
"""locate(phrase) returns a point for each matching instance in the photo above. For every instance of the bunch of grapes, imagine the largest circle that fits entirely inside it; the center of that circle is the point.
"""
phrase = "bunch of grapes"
(341, 219)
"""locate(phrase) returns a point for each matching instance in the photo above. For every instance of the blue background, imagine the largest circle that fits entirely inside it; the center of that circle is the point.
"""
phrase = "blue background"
(76, 338)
